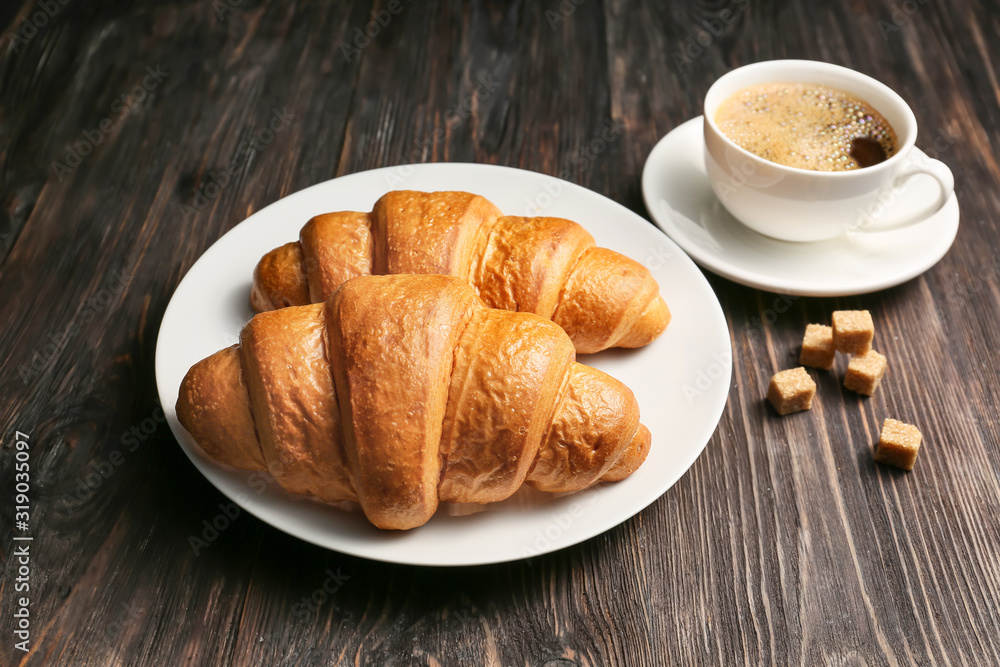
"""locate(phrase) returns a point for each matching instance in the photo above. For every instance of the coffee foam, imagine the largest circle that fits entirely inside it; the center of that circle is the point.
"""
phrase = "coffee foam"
(806, 126)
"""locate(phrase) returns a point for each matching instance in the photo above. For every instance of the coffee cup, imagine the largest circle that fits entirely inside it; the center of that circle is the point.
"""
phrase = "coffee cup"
(796, 204)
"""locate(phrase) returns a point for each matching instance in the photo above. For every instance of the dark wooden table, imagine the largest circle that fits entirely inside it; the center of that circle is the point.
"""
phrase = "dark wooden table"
(783, 544)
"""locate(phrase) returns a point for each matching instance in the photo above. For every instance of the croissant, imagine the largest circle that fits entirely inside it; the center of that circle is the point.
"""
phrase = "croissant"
(404, 391)
(547, 266)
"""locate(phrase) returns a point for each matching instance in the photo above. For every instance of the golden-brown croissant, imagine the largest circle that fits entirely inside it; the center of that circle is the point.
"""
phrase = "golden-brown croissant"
(402, 391)
(547, 266)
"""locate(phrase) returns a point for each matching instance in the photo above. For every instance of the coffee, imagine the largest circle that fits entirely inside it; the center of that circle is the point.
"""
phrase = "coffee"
(807, 126)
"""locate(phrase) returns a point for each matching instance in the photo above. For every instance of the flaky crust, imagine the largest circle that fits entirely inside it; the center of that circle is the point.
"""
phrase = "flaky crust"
(403, 391)
(294, 402)
(216, 410)
(542, 265)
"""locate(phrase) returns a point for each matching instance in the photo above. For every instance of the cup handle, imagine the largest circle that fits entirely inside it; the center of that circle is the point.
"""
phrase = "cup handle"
(915, 165)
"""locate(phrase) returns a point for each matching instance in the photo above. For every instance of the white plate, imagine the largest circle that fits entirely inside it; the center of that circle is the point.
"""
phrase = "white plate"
(681, 202)
(681, 380)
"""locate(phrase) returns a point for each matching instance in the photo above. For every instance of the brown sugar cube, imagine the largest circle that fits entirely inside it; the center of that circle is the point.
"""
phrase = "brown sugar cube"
(864, 372)
(817, 347)
(898, 445)
(853, 331)
(791, 391)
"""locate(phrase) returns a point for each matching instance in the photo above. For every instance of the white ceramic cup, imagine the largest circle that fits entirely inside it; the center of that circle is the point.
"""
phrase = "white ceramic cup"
(795, 204)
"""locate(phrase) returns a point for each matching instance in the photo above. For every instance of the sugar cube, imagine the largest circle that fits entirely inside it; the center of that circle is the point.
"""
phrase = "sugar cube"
(817, 347)
(853, 331)
(864, 372)
(791, 391)
(898, 444)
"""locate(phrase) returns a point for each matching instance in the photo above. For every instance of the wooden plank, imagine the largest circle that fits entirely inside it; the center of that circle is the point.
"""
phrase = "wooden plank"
(783, 544)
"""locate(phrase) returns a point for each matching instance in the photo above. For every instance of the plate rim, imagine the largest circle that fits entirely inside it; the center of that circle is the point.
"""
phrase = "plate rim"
(213, 471)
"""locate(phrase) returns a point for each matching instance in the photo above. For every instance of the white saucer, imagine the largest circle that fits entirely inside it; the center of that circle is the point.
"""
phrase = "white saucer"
(681, 202)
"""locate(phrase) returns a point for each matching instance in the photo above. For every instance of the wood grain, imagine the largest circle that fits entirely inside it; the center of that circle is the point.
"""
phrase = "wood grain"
(784, 544)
